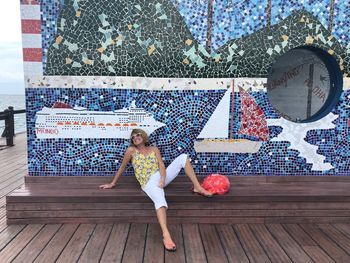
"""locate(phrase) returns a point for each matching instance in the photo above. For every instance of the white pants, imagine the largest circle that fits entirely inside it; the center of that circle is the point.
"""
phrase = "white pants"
(154, 191)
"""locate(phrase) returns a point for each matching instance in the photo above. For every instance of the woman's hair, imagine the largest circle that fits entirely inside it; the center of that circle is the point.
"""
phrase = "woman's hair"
(144, 136)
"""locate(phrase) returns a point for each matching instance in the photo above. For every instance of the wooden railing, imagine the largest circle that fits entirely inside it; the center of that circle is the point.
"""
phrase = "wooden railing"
(9, 131)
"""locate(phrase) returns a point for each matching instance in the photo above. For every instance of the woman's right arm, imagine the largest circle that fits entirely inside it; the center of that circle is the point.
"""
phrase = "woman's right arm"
(126, 160)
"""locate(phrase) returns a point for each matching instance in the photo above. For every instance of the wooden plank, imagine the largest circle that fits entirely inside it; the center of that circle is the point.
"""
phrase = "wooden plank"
(299, 235)
(19, 242)
(4, 187)
(289, 245)
(182, 206)
(55, 246)
(331, 248)
(241, 193)
(179, 255)
(173, 197)
(179, 213)
(127, 179)
(18, 182)
(317, 254)
(306, 219)
(278, 214)
(140, 219)
(154, 248)
(232, 246)
(2, 212)
(338, 237)
(315, 189)
(135, 245)
(250, 244)
(114, 249)
(96, 244)
(76, 244)
(194, 249)
(307, 178)
(12, 170)
(2, 201)
(5, 179)
(8, 234)
(212, 244)
(269, 244)
(174, 220)
(235, 180)
(344, 228)
(36, 245)
(3, 223)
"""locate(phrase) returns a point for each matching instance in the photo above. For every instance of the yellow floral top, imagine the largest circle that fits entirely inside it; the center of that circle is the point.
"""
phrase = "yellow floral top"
(144, 166)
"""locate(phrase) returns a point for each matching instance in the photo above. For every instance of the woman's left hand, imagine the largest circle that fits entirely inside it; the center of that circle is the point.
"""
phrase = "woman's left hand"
(161, 183)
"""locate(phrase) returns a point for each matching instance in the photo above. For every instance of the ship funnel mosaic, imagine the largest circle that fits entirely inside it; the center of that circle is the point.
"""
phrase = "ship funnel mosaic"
(242, 87)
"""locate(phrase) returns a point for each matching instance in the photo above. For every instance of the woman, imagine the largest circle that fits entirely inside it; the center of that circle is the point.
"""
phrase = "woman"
(153, 177)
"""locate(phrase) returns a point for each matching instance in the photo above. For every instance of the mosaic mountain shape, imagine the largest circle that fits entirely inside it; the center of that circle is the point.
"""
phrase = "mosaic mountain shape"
(119, 37)
(150, 38)
(252, 55)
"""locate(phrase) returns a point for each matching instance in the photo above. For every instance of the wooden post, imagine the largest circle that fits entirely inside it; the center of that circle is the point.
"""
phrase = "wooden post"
(9, 126)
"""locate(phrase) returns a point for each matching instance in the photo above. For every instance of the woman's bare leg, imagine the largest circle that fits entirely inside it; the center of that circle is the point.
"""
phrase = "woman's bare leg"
(193, 177)
(162, 219)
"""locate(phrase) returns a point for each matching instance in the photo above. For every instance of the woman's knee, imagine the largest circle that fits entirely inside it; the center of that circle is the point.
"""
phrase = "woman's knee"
(184, 158)
(159, 207)
(157, 196)
(160, 202)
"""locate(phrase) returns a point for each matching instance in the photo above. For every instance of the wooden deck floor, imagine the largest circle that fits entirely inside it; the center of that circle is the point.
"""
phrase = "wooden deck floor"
(126, 242)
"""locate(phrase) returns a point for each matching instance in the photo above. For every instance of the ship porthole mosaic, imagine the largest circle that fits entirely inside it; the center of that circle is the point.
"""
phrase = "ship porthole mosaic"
(304, 84)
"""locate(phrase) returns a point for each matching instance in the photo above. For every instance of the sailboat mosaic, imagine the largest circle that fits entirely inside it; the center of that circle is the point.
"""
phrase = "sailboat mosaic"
(217, 135)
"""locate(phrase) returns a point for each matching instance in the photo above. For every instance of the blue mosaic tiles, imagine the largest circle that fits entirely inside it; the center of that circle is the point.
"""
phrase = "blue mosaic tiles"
(168, 38)
(184, 113)
(50, 10)
(92, 39)
(234, 19)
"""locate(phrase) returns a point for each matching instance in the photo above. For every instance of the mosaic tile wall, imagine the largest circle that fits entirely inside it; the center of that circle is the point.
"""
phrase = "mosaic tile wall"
(85, 54)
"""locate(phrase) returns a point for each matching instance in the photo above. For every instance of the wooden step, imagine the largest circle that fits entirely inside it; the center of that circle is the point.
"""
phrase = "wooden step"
(251, 199)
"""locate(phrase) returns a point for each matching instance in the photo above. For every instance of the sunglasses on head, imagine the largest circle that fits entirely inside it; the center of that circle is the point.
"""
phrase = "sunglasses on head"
(135, 135)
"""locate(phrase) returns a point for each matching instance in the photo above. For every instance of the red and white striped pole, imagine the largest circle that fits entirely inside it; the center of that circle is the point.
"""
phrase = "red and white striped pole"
(31, 37)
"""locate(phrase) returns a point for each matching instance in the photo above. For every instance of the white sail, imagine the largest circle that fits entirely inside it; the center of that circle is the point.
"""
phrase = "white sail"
(218, 125)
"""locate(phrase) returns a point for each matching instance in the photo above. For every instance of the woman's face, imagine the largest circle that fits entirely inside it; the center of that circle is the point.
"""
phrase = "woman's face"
(137, 139)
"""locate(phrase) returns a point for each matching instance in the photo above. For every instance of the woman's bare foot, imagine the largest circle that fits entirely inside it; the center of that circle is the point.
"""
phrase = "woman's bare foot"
(168, 242)
(202, 191)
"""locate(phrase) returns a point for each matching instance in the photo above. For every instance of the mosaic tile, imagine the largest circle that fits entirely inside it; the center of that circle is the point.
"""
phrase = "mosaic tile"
(167, 58)
(136, 41)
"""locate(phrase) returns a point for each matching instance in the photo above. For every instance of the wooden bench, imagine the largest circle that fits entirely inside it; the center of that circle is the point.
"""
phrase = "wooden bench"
(252, 199)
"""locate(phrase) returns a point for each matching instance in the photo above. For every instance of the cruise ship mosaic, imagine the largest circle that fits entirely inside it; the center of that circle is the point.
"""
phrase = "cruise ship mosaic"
(191, 73)
(64, 121)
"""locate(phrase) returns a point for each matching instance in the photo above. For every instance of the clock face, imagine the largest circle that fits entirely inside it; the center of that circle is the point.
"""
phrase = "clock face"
(299, 85)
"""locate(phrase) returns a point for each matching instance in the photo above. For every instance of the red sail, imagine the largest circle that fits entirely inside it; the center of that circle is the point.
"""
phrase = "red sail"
(253, 120)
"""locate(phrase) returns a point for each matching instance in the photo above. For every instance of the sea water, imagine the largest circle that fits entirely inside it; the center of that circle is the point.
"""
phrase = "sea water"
(18, 103)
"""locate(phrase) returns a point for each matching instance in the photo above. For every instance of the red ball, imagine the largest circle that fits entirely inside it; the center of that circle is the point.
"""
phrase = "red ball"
(216, 184)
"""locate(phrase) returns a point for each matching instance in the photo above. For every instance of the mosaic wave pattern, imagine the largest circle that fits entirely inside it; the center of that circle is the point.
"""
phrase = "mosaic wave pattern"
(184, 113)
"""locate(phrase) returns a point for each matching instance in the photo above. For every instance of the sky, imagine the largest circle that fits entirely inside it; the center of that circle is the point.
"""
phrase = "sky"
(11, 65)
